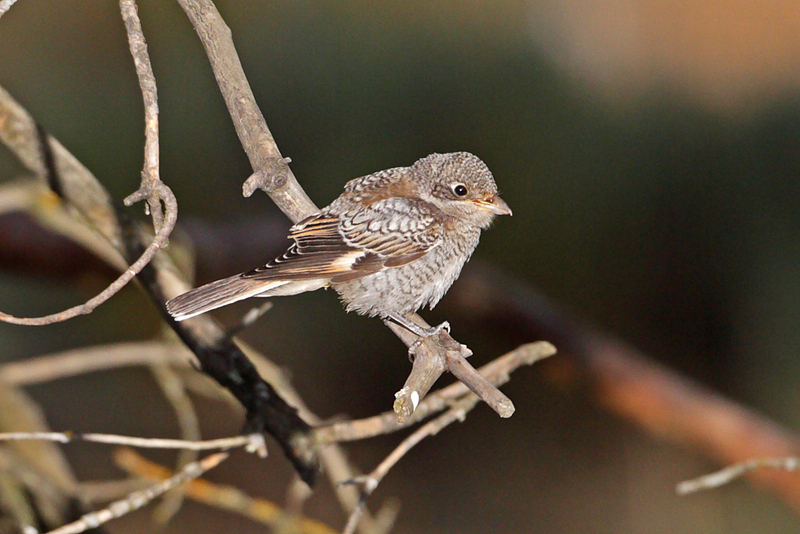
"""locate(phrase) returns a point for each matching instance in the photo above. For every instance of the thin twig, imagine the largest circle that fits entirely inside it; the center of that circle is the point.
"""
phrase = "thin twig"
(370, 482)
(730, 473)
(251, 443)
(140, 498)
(265, 158)
(496, 372)
(162, 192)
(147, 84)
(60, 437)
(152, 188)
(224, 497)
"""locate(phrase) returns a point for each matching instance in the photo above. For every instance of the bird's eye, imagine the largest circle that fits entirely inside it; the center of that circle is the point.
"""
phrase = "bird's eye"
(460, 189)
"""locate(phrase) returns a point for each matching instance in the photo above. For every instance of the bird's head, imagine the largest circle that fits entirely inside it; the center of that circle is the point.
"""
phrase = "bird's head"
(460, 185)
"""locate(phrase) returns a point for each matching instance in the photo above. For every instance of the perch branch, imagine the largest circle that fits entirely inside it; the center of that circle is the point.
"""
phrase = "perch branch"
(497, 372)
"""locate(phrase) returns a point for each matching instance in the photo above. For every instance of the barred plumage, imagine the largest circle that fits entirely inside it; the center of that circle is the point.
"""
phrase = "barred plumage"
(393, 242)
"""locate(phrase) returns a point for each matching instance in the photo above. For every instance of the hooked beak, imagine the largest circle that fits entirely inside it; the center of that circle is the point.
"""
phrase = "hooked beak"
(495, 204)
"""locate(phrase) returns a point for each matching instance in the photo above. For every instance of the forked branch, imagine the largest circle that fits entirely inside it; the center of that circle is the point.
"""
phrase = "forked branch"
(14, 121)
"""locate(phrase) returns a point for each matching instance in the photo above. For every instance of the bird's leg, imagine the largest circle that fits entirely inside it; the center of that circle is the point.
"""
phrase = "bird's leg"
(414, 328)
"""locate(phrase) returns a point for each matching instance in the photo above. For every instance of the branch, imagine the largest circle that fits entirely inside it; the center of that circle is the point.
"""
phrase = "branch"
(140, 498)
(12, 116)
(217, 353)
(731, 473)
(224, 497)
(272, 174)
(497, 372)
(253, 443)
(630, 385)
(147, 83)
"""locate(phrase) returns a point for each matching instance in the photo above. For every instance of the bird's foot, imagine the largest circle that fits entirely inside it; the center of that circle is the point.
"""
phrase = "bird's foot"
(420, 332)
(424, 334)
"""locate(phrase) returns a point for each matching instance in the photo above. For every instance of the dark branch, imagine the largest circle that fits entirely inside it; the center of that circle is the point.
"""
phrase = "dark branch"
(265, 409)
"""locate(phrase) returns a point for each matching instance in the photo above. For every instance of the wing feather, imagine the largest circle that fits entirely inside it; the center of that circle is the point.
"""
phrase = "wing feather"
(356, 243)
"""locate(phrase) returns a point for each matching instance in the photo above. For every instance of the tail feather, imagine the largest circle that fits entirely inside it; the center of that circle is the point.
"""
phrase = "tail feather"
(217, 294)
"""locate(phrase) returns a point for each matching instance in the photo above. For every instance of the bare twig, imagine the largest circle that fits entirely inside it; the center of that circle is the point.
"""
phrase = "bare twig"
(251, 443)
(496, 372)
(277, 180)
(152, 188)
(147, 84)
(730, 473)
(225, 497)
(59, 437)
(370, 482)
(140, 498)
(163, 193)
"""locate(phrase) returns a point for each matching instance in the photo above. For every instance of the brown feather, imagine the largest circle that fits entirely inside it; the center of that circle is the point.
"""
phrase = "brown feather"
(212, 296)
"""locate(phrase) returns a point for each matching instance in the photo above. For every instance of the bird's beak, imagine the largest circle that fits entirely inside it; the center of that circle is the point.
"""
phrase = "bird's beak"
(494, 203)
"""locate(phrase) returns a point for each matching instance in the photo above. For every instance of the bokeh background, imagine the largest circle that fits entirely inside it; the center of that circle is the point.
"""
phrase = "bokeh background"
(650, 151)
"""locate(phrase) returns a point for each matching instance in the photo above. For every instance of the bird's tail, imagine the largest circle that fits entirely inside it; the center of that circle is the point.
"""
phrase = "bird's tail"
(217, 294)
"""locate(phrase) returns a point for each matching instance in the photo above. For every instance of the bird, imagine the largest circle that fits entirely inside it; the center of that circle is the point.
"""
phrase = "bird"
(393, 242)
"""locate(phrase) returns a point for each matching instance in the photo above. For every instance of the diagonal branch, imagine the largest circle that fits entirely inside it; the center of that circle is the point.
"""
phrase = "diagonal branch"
(153, 189)
(496, 372)
(161, 192)
(218, 355)
(137, 499)
(271, 172)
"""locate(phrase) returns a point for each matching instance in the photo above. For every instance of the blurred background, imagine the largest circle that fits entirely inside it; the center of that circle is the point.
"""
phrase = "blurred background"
(649, 149)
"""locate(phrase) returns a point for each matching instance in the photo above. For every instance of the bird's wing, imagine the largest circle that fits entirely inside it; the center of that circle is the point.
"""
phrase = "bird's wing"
(361, 240)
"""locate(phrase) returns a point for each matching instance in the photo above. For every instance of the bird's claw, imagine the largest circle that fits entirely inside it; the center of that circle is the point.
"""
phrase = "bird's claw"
(425, 333)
